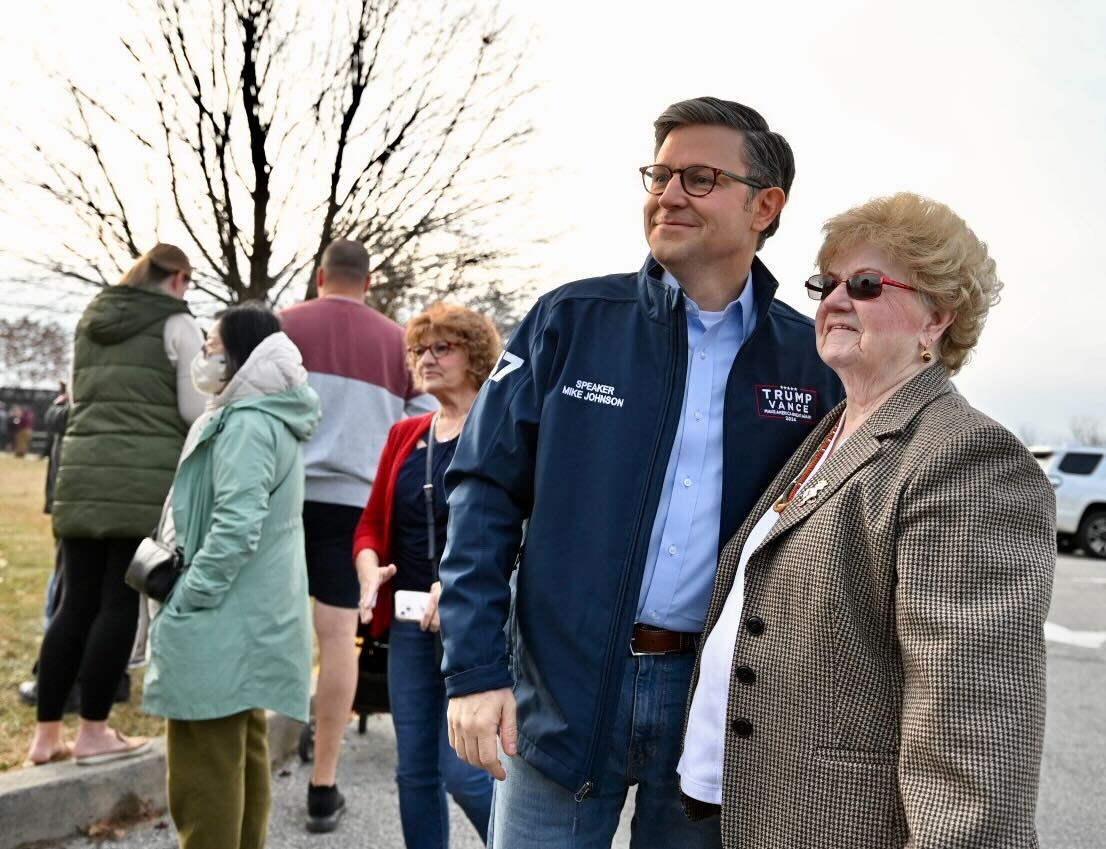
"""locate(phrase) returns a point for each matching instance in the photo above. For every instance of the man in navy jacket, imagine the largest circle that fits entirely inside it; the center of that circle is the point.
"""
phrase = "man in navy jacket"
(631, 423)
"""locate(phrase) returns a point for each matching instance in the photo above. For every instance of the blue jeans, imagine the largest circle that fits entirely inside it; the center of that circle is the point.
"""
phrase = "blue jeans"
(426, 765)
(532, 811)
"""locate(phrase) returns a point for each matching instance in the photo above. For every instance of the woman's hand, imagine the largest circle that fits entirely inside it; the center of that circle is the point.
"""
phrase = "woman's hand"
(371, 575)
(430, 620)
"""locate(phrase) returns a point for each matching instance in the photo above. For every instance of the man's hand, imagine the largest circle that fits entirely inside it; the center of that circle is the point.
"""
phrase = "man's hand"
(430, 621)
(474, 721)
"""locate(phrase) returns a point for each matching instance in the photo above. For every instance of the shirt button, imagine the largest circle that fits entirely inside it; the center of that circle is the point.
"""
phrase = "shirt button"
(672, 550)
(698, 416)
(702, 355)
(687, 481)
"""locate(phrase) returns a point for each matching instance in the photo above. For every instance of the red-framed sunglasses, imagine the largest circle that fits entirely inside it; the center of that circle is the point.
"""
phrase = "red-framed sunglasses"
(860, 287)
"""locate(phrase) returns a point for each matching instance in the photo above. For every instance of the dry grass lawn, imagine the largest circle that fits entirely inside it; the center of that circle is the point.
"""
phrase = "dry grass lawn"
(26, 561)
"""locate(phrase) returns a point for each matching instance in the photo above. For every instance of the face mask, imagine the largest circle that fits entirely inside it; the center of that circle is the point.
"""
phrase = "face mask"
(208, 373)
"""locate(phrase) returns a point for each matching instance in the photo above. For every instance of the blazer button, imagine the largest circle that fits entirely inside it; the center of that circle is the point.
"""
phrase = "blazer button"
(742, 727)
(745, 675)
(754, 625)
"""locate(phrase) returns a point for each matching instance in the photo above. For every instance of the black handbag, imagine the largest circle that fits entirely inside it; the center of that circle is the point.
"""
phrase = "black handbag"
(371, 695)
(155, 566)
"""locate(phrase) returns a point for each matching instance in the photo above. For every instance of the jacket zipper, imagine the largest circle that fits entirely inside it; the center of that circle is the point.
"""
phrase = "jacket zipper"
(679, 338)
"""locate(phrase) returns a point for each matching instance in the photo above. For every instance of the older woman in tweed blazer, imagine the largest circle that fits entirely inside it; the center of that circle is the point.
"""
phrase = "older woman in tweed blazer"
(873, 668)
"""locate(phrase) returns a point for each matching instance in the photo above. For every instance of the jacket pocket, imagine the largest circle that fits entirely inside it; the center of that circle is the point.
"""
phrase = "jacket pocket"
(856, 800)
(856, 756)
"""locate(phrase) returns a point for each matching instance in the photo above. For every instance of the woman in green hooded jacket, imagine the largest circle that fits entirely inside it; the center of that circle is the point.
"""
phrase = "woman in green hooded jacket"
(234, 637)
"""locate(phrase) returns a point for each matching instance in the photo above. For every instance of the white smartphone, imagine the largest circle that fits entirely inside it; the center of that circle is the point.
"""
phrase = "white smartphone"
(411, 605)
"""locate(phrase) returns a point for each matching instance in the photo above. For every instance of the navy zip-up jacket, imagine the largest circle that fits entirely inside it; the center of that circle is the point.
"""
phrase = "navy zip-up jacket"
(573, 432)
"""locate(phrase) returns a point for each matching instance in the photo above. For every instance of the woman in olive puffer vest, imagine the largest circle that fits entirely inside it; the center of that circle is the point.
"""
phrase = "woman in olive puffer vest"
(132, 403)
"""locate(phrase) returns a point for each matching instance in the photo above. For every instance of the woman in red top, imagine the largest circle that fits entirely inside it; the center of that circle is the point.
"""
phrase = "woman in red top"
(452, 350)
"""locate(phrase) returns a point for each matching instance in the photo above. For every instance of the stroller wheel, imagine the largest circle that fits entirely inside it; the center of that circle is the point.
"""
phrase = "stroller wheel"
(307, 743)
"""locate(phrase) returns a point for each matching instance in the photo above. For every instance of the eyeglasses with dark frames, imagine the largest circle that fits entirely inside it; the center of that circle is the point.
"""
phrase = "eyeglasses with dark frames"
(437, 350)
(697, 180)
(860, 287)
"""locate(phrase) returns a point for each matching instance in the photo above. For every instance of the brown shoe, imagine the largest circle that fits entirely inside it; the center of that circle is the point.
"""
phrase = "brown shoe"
(58, 755)
(131, 747)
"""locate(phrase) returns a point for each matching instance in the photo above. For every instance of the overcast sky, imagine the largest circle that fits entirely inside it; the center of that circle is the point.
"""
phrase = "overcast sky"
(995, 108)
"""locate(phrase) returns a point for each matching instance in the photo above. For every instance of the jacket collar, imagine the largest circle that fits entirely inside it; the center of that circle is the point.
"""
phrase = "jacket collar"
(660, 300)
(897, 412)
(860, 448)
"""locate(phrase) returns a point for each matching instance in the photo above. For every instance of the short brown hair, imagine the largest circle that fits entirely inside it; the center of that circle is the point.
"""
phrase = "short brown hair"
(158, 263)
(947, 262)
(453, 323)
(345, 260)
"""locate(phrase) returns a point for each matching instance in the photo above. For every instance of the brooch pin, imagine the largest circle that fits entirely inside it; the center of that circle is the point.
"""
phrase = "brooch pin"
(810, 493)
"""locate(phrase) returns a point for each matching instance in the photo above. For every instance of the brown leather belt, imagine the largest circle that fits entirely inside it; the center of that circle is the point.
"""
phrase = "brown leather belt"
(647, 639)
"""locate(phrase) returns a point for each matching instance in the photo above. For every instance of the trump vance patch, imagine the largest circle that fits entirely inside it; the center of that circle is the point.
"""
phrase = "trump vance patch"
(786, 403)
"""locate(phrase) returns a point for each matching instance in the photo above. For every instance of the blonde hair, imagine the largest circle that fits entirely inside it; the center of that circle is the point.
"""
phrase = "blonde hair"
(154, 266)
(472, 331)
(946, 261)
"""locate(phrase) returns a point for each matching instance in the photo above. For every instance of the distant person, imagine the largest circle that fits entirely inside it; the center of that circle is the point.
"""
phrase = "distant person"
(24, 430)
(356, 362)
(873, 668)
(399, 540)
(631, 423)
(132, 401)
(57, 414)
(50, 425)
(4, 421)
(13, 426)
(234, 637)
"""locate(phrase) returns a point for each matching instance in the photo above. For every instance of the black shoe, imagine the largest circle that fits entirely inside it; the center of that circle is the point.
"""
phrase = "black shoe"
(28, 694)
(325, 806)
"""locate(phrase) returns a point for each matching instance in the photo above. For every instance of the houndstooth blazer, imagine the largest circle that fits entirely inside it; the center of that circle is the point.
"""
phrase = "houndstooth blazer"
(888, 681)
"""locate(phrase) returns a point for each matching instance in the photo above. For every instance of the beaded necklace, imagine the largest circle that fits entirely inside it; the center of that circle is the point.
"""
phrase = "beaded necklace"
(784, 501)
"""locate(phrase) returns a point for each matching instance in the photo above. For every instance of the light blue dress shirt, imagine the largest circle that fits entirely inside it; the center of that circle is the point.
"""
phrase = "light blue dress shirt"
(683, 548)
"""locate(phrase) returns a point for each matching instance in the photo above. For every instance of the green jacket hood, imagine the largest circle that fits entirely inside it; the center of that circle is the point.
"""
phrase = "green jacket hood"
(298, 408)
(121, 312)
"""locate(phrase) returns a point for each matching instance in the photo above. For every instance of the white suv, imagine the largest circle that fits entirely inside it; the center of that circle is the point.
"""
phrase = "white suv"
(1078, 474)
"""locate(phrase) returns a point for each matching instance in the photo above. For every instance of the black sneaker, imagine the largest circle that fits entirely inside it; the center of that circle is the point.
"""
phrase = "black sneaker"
(325, 806)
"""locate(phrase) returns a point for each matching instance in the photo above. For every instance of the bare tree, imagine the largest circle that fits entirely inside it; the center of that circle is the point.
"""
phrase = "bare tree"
(263, 129)
(1027, 433)
(33, 352)
(1088, 431)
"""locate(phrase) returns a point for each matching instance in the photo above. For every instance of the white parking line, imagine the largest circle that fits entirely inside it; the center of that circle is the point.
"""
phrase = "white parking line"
(1084, 639)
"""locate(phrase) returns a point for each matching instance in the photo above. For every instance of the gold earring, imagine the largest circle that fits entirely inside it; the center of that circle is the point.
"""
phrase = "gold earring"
(926, 355)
